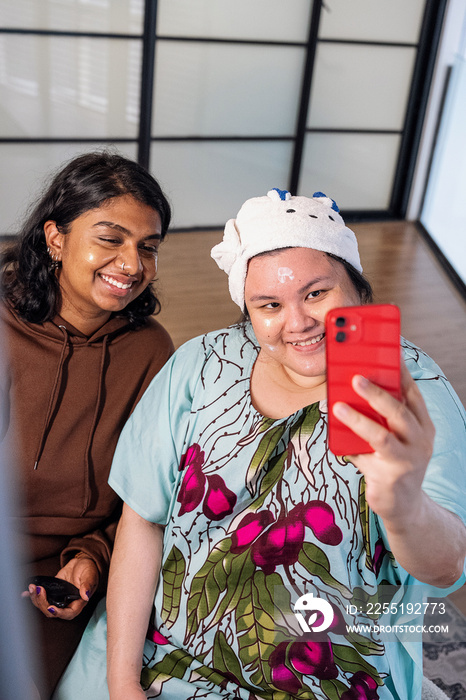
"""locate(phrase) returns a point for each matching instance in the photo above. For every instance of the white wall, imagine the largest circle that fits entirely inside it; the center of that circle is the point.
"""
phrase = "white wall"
(449, 45)
(443, 213)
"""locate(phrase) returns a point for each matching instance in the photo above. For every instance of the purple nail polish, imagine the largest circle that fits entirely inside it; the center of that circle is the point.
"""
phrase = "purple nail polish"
(52, 610)
(38, 589)
(88, 594)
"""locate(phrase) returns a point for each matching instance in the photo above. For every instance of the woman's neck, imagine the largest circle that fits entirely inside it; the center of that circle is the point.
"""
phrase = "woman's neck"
(87, 325)
(278, 393)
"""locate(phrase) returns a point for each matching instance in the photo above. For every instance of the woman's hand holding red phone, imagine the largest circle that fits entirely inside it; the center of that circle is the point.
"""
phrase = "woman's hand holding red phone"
(426, 539)
(395, 470)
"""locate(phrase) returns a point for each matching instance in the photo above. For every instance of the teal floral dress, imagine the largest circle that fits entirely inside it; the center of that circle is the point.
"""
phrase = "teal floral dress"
(258, 514)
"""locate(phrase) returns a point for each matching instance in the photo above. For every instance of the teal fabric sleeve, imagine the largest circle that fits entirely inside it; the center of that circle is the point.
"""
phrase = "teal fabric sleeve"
(445, 478)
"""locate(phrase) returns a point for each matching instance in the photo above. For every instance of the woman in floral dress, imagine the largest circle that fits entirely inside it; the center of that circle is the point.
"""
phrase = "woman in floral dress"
(237, 515)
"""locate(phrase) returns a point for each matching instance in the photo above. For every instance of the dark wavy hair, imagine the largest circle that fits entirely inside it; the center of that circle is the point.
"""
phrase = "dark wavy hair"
(28, 280)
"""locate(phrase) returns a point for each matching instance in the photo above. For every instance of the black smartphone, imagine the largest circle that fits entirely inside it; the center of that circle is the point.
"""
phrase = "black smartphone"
(60, 593)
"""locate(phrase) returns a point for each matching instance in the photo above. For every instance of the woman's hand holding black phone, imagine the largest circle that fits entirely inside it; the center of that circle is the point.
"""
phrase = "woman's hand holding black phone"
(65, 595)
(59, 592)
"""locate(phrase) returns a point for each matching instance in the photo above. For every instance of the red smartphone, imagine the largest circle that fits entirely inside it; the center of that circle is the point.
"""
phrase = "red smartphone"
(360, 340)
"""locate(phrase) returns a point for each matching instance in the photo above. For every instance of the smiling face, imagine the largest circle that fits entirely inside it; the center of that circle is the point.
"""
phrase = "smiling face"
(92, 252)
(288, 294)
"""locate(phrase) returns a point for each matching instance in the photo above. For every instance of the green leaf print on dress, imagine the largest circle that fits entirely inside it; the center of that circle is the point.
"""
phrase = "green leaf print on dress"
(261, 550)
(222, 572)
(316, 562)
(174, 571)
(284, 513)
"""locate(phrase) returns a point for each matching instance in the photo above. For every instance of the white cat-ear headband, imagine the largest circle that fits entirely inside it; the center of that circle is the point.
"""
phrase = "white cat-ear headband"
(280, 220)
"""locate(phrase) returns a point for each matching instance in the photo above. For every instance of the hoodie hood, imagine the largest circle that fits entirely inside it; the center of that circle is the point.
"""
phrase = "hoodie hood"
(53, 330)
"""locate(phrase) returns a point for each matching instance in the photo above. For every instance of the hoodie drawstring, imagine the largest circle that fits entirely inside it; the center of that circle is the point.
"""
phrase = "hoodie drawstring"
(53, 397)
(87, 477)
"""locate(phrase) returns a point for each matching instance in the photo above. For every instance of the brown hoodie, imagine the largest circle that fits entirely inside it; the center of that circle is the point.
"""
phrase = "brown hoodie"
(69, 396)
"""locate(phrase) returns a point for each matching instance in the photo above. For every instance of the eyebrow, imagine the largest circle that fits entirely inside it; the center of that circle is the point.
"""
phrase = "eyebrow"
(122, 229)
(265, 297)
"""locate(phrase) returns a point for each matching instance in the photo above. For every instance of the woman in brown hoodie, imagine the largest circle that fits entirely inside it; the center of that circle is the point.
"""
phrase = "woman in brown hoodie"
(82, 348)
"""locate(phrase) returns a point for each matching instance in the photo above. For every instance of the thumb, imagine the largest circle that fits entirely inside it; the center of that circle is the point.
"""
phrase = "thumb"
(88, 581)
(86, 590)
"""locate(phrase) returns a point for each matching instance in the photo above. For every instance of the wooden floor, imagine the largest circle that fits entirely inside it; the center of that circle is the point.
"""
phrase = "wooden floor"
(397, 261)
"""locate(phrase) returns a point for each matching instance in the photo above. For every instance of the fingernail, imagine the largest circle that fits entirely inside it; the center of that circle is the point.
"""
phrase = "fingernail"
(88, 595)
(52, 610)
(361, 381)
(340, 410)
(37, 590)
(31, 589)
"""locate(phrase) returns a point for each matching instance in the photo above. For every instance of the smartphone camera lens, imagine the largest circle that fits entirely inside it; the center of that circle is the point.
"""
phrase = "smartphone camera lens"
(340, 337)
(340, 321)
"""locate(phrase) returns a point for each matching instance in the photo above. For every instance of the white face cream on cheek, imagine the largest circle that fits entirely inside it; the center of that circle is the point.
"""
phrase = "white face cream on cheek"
(268, 323)
(270, 348)
(265, 333)
(285, 273)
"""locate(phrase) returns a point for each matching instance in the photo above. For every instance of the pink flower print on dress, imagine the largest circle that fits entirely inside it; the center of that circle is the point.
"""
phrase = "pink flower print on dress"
(219, 500)
(192, 489)
(155, 636)
(282, 677)
(249, 529)
(318, 516)
(338, 624)
(363, 687)
(379, 552)
(313, 659)
(280, 544)
(193, 456)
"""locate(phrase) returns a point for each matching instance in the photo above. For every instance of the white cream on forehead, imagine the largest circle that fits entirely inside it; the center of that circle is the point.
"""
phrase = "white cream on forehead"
(284, 273)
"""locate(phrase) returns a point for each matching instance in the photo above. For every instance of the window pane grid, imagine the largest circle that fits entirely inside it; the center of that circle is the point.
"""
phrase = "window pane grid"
(245, 62)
